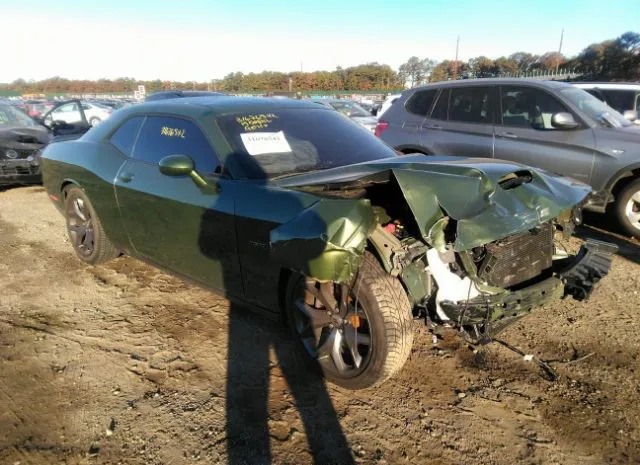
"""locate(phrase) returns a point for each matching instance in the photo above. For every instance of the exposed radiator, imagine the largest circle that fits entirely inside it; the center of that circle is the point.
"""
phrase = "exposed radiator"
(518, 258)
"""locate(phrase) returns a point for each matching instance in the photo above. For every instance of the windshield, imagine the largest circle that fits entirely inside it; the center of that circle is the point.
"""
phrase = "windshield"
(283, 142)
(595, 108)
(350, 109)
(11, 116)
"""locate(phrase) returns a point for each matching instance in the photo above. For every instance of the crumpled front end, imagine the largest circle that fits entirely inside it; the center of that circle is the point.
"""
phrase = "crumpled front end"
(20, 151)
(485, 310)
(472, 241)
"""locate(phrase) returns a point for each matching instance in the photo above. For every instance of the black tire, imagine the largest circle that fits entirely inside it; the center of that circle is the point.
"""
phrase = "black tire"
(628, 198)
(389, 321)
(101, 249)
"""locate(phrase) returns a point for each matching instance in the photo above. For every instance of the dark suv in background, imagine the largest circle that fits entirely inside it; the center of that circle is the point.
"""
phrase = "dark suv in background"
(547, 124)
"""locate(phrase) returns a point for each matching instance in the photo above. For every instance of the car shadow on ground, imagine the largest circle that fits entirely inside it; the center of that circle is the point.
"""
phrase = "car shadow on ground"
(601, 228)
(251, 422)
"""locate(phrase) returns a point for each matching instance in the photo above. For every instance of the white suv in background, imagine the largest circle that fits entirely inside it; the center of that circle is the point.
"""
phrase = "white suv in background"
(624, 98)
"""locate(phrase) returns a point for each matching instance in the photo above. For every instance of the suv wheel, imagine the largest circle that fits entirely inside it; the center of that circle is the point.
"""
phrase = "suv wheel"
(627, 208)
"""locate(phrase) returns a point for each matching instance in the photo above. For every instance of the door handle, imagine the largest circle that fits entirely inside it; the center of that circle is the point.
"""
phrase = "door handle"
(126, 176)
(411, 125)
(431, 126)
(510, 135)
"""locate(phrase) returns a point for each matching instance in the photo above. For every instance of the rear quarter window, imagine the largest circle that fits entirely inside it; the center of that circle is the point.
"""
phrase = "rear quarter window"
(420, 103)
(125, 136)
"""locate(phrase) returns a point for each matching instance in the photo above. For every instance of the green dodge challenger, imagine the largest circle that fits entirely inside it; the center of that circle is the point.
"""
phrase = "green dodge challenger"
(292, 209)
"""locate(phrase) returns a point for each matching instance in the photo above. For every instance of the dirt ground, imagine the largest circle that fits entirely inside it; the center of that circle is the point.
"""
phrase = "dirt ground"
(122, 363)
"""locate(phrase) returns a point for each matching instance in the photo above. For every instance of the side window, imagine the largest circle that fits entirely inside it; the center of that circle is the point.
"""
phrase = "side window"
(69, 113)
(86, 106)
(638, 103)
(420, 102)
(67, 108)
(619, 100)
(161, 136)
(528, 107)
(470, 105)
(125, 136)
(440, 111)
(596, 93)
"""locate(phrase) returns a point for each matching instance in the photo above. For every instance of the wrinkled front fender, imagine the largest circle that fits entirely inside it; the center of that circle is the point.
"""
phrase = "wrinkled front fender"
(326, 240)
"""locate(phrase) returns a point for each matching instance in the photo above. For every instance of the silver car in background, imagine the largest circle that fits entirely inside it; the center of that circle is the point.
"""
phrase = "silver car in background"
(546, 124)
(352, 110)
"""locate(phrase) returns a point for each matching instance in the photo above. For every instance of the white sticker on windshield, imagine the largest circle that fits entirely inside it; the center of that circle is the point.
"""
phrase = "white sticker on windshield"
(259, 143)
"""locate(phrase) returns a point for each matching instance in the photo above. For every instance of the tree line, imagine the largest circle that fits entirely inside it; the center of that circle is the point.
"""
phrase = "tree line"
(610, 60)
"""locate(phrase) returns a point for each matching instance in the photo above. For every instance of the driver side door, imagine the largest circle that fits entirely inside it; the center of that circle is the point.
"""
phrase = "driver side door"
(169, 220)
(524, 134)
(67, 119)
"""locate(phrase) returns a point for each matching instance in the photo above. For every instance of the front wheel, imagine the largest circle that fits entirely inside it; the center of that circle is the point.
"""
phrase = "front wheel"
(358, 335)
(627, 208)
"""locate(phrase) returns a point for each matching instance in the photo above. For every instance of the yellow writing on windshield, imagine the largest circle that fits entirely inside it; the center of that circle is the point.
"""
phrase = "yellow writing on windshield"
(172, 132)
(255, 122)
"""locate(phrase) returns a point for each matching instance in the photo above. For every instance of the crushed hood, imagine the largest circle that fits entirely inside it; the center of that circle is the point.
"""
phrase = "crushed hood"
(23, 138)
(476, 193)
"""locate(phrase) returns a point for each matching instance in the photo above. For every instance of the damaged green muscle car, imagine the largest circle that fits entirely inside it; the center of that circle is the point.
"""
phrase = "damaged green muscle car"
(293, 209)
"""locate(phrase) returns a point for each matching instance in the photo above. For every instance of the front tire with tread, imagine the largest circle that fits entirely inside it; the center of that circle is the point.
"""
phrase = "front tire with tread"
(631, 190)
(391, 324)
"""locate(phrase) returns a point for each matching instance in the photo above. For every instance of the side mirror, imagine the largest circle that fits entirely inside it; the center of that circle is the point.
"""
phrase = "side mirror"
(181, 165)
(630, 115)
(176, 165)
(564, 120)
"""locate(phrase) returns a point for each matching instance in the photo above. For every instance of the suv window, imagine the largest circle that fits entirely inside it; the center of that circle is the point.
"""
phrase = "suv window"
(162, 136)
(441, 110)
(619, 100)
(528, 107)
(125, 135)
(420, 102)
(470, 105)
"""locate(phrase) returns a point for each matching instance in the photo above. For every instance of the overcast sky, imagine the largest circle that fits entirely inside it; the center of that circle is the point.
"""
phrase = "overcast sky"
(202, 40)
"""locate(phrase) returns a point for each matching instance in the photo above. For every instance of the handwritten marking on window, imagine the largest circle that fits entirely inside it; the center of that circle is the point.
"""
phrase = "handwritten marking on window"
(172, 132)
(255, 122)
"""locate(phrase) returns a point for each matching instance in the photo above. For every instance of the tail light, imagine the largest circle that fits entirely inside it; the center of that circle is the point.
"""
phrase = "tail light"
(380, 128)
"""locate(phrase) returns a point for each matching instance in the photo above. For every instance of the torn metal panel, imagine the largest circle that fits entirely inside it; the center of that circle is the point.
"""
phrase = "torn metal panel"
(489, 199)
(327, 240)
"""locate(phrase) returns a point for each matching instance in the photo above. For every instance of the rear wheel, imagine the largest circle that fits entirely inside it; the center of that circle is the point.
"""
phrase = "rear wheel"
(85, 231)
(627, 208)
(358, 335)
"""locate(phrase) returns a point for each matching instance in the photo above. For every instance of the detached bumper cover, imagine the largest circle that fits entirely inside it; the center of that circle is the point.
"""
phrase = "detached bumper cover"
(592, 263)
(487, 315)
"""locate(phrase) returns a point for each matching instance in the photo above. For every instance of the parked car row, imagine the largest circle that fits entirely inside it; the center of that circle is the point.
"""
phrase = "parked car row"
(551, 125)
(292, 209)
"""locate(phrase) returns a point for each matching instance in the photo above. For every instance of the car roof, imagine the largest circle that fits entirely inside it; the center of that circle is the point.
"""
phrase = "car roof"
(608, 85)
(170, 94)
(494, 81)
(196, 106)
